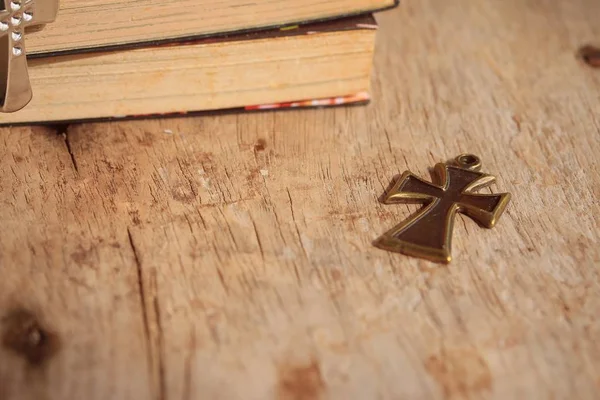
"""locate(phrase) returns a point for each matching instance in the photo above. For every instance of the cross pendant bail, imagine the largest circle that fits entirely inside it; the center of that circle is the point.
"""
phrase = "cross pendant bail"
(15, 17)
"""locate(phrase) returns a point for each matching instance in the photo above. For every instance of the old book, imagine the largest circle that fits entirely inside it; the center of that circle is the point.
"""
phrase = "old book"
(93, 24)
(287, 65)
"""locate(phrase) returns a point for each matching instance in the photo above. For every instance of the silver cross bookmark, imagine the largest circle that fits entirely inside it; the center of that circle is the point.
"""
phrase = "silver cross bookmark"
(15, 16)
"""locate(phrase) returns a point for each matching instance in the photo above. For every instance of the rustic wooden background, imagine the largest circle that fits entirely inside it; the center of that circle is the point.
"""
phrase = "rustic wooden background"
(230, 257)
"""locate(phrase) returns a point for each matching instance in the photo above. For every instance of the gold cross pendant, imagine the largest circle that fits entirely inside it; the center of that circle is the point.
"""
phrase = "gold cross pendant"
(428, 232)
(15, 16)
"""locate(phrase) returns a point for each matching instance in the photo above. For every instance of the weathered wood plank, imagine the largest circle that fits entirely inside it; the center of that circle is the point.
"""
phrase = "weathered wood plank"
(68, 296)
(230, 256)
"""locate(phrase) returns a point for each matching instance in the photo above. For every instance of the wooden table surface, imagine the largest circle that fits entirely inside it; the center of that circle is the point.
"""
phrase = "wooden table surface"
(231, 257)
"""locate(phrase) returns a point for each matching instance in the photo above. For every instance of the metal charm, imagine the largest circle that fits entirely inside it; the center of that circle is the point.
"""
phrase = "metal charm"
(428, 232)
(15, 16)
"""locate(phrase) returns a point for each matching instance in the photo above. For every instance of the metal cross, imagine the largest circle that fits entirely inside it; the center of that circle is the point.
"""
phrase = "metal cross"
(428, 232)
(15, 16)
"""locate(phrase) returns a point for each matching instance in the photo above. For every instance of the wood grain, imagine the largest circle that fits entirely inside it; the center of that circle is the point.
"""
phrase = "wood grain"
(230, 257)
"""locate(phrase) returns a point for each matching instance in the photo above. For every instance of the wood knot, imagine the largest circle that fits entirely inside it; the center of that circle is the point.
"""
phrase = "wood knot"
(460, 372)
(302, 382)
(260, 145)
(184, 193)
(590, 55)
(24, 335)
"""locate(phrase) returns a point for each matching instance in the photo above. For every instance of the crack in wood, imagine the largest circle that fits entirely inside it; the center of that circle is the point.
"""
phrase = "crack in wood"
(63, 130)
(260, 247)
(296, 224)
(154, 343)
